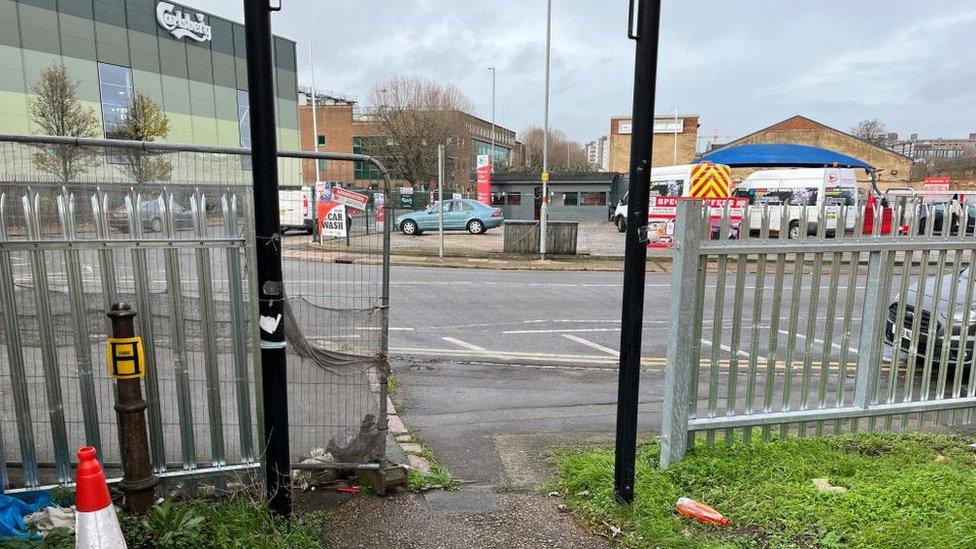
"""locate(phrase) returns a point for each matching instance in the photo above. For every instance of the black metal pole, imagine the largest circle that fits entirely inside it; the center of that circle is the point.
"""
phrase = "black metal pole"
(635, 258)
(264, 154)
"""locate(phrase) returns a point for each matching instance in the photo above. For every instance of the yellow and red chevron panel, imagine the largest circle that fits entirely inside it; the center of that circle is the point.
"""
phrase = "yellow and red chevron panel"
(710, 180)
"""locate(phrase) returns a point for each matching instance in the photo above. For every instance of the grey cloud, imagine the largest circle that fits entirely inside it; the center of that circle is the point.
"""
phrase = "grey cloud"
(739, 64)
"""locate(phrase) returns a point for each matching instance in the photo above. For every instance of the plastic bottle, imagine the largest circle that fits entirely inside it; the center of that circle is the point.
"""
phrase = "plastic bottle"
(700, 512)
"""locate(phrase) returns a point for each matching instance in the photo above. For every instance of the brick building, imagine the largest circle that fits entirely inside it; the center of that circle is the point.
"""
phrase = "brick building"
(893, 169)
(668, 129)
(343, 128)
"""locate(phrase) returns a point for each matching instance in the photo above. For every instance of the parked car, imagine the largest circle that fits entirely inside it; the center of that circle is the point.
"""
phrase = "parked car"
(459, 215)
(151, 213)
(937, 212)
(933, 318)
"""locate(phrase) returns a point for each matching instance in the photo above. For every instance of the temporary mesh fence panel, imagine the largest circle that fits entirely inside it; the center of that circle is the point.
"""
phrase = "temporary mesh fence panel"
(179, 247)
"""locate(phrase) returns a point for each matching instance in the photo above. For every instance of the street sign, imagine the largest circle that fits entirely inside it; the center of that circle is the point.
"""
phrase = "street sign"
(545, 177)
(406, 197)
(126, 359)
(350, 198)
(937, 184)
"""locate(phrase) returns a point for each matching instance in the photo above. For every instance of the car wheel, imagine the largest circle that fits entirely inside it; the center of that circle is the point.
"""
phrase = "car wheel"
(156, 225)
(621, 224)
(794, 231)
(476, 226)
(409, 227)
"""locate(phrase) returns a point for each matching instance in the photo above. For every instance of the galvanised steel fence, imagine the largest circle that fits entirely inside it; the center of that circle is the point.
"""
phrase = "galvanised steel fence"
(834, 330)
(179, 247)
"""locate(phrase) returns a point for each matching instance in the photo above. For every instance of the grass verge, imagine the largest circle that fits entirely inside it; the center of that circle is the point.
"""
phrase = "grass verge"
(908, 491)
(438, 477)
(238, 521)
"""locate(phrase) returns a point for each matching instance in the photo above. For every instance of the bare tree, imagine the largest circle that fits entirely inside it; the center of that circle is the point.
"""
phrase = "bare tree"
(144, 121)
(871, 130)
(55, 108)
(414, 115)
(565, 155)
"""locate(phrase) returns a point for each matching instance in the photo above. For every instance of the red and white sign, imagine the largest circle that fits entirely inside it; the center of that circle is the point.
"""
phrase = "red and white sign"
(935, 184)
(663, 210)
(350, 198)
(483, 172)
(332, 216)
(379, 200)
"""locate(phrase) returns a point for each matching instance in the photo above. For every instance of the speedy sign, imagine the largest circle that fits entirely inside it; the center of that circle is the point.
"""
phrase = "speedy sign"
(663, 210)
(350, 198)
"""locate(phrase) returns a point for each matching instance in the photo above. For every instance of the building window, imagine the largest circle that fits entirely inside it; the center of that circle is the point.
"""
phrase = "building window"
(321, 140)
(368, 145)
(115, 88)
(497, 199)
(514, 199)
(323, 164)
(244, 124)
(593, 199)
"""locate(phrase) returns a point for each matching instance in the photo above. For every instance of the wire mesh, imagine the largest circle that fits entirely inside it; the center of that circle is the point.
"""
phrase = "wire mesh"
(179, 247)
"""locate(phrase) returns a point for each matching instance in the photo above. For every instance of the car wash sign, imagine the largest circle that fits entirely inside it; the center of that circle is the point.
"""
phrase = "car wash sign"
(181, 23)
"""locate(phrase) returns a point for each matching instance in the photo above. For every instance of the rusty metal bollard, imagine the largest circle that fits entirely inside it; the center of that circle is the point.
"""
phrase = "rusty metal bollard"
(127, 366)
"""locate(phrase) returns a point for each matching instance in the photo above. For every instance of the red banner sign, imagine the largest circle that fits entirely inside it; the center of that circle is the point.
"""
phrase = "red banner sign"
(483, 172)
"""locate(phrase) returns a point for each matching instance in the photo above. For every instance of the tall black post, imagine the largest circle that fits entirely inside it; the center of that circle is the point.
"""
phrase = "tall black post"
(635, 259)
(264, 154)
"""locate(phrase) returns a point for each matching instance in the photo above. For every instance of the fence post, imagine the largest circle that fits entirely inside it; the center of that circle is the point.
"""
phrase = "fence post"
(678, 373)
(138, 481)
(869, 347)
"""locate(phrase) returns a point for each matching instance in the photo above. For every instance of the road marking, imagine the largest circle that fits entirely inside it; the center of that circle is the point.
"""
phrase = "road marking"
(588, 343)
(463, 344)
(578, 330)
(819, 341)
(726, 348)
(391, 328)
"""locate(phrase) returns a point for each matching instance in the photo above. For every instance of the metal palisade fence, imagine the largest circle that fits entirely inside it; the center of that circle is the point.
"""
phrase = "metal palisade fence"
(178, 245)
(834, 330)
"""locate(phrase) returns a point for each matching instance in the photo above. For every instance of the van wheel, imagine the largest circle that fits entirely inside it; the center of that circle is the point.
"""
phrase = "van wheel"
(621, 225)
(794, 231)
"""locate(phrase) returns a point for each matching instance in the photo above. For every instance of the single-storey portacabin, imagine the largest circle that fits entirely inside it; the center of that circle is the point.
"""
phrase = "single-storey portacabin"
(572, 197)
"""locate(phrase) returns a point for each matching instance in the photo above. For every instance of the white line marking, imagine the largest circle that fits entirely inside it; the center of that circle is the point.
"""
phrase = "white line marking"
(377, 328)
(819, 341)
(728, 349)
(578, 330)
(466, 345)
(589, 343)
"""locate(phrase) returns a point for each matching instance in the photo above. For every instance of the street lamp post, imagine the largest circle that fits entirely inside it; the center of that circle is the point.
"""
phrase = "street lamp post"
(544, 209)
(491, 153)
(315, 124)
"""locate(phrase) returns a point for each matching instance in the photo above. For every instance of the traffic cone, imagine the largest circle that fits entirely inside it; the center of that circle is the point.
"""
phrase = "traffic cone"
(96, 524)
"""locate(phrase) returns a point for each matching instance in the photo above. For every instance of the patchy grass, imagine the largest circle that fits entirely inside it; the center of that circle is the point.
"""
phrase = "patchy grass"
(392, 385)
(238, 521)
(901, 494)
(439, 477)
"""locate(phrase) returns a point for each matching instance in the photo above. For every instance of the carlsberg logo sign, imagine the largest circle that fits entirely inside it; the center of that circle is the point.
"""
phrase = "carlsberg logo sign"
(181, 24)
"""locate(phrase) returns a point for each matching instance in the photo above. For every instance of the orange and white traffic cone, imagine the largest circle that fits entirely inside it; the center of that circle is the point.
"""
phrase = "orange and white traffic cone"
(96, 524)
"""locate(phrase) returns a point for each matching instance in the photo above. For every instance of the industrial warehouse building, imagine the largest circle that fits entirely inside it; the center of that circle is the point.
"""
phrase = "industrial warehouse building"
(188, 61)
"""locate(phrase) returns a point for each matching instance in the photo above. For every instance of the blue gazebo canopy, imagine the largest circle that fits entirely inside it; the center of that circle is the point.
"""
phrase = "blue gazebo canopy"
(782, 156)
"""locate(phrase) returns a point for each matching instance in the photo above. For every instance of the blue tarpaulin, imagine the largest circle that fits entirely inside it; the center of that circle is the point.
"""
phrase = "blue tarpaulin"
(782, 156)
(13, 511)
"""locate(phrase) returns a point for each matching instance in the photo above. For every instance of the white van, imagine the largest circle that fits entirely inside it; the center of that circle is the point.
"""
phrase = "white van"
(801, 189)
(295, 209)
(665, 181)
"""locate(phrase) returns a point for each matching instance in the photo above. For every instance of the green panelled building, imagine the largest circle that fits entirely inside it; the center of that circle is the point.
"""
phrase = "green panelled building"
(190, 62)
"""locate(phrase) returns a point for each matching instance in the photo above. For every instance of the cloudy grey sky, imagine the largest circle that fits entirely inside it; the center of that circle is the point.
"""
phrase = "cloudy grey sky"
(740, 64)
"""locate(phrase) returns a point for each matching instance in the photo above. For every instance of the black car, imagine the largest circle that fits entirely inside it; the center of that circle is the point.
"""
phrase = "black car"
(936, 214)
(151, 212)
(933, 319)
